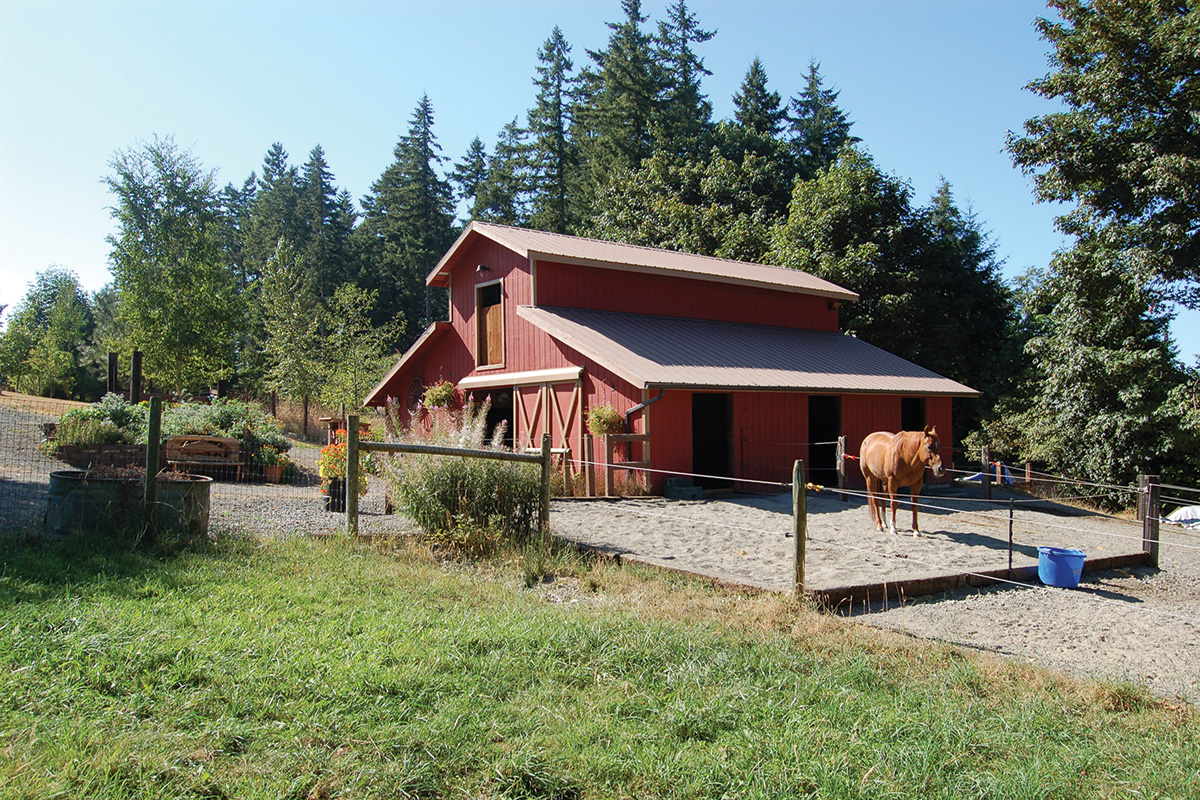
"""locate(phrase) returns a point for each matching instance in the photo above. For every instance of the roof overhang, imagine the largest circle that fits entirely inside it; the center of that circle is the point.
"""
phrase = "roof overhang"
(674, 353)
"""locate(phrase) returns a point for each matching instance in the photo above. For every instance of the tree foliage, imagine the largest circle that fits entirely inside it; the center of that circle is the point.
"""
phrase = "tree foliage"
(44, 348)
(408, 224)
(178, 304)
(1104, 395)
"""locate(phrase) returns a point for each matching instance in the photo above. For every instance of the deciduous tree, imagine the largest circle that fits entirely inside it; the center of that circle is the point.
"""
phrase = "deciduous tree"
(177, 299)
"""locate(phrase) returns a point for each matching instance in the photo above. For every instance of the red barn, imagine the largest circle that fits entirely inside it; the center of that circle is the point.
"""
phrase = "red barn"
(732, 369)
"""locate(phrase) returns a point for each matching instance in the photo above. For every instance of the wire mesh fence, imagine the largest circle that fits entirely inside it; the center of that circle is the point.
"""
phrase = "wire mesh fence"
(244, 495)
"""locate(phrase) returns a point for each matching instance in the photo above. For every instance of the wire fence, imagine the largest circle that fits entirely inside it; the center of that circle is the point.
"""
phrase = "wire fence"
(244, 496)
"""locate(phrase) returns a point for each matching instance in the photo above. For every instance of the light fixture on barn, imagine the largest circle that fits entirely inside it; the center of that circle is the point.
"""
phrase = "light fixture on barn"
(482, 268)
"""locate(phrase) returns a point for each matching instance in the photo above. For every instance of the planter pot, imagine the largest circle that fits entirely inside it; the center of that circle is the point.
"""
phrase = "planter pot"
(79, 501)
(274, 473)
(335, 494)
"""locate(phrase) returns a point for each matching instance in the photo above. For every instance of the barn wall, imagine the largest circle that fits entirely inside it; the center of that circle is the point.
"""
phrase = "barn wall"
(573, 286)
(770, 434)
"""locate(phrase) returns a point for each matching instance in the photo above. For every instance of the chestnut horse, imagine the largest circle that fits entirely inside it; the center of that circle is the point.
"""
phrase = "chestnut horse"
(891, 460)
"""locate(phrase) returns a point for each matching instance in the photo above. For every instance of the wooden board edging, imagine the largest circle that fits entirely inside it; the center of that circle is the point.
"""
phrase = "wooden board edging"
(838, 596)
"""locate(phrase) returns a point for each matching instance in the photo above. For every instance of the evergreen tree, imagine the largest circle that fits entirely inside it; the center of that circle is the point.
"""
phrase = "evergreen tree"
(618, 117)
(327, 223)
(757, 109)
(684, 128)
(818, 126)
(1126, 150)
(971, 332)
(408, 225)
(503, 195)
(554, 158)
(274, 213)
(177, 297)
(1103, 400)
(236, 207)
(469, 175)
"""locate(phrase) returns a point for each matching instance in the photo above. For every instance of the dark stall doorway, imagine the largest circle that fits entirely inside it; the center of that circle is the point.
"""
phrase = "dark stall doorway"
(912, 413)
(824, 428)
(501, 411)
(712, 438)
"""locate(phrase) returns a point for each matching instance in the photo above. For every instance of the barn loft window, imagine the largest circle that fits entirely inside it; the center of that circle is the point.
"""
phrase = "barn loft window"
(489, 322)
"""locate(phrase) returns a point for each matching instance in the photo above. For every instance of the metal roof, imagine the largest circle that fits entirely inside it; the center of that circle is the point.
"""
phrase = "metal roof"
(670, 352)
(536, 245)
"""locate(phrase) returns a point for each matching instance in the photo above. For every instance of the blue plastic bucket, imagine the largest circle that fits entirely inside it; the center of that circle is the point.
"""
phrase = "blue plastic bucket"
(1058, 566)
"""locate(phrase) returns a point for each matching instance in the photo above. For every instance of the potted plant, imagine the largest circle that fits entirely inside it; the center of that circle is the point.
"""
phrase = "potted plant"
(605, 419)
(273, 461)
(331, 466)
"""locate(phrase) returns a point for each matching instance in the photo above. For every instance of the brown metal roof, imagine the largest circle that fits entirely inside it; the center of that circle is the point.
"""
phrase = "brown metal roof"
(670, 352)
(614, 255)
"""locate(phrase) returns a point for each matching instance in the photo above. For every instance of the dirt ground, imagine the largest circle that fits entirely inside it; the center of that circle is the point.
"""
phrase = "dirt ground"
(1138, 624)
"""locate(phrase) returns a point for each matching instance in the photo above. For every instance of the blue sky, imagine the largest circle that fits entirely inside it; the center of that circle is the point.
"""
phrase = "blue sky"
(932, 88)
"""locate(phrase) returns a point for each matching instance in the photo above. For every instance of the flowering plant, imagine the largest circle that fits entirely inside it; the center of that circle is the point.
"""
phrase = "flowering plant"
(604, 419)
(441, 395)
(331, 464)
(269, 456)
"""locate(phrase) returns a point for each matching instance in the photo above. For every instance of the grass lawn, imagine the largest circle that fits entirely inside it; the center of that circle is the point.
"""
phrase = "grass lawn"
(305, 669)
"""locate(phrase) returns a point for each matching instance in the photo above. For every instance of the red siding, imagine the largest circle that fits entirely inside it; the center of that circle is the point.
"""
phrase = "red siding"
(571, 286)
(770, 429)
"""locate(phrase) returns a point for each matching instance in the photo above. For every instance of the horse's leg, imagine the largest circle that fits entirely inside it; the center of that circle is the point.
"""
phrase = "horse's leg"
(892, 491)
(874, 501)
(916, 494)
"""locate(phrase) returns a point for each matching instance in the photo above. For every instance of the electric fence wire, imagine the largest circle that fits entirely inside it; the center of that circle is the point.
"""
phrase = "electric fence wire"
(909, 559)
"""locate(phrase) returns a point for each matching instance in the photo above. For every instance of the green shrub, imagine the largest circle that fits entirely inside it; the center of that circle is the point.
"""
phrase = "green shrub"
(465, 502)
(227, 417)
(111, 421)
(440, 395)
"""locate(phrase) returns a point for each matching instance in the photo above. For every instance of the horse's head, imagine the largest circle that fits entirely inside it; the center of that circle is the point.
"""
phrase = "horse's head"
(931, 451)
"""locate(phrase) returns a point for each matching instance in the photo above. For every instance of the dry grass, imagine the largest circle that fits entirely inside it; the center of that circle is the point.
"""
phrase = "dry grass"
(41, 405)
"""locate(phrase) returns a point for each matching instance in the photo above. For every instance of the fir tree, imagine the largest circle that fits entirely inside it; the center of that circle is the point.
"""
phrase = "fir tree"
(503, 195)
(758, 110)
(553, 154)
(326, 225)
(684, 126)
(408, 224)
(469, 175)
(274, 213)
(818, 126)
(622, 97)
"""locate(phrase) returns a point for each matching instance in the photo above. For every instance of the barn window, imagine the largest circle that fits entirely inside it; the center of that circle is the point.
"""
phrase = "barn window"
(489, 325)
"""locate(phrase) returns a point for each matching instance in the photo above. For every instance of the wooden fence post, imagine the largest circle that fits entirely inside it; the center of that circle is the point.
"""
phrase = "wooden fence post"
(135, 378)
(544, 512)
(799, 524)
(113, 381)
(1143, 491)
(841, 467)
(589, 468)
(153, 463)
(352, 476)
(1150, 524)
(985, 470)
(609, 472)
